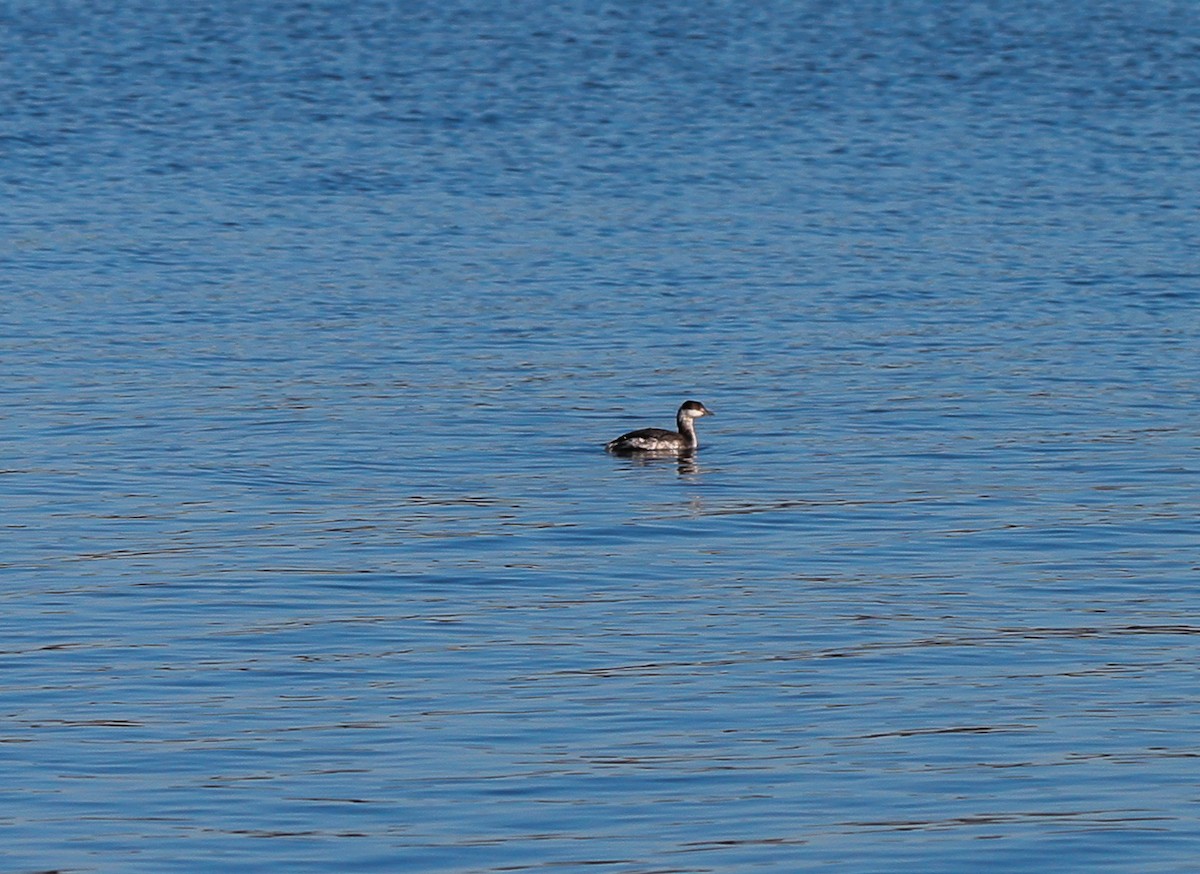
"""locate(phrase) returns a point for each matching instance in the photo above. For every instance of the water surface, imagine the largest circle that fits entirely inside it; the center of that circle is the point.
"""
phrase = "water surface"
(317, 317)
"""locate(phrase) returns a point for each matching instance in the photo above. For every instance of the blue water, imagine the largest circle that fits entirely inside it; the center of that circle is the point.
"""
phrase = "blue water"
(316, 316)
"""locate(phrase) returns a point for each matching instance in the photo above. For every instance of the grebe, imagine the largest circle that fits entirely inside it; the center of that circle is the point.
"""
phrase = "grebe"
(659, 440)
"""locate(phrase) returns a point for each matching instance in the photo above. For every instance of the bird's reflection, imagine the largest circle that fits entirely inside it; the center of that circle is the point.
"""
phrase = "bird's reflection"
(686, 462)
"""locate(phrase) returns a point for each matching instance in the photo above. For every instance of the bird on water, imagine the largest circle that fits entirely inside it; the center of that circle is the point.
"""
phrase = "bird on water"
(661, 440)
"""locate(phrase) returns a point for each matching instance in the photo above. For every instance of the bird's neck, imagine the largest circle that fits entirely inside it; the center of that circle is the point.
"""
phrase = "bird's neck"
(687, 428)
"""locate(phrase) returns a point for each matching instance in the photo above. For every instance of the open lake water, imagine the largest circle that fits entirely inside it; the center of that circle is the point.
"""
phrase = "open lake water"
(316, 316)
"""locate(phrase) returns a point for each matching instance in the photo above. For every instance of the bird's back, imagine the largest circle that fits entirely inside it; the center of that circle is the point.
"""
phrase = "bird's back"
(646, 440)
